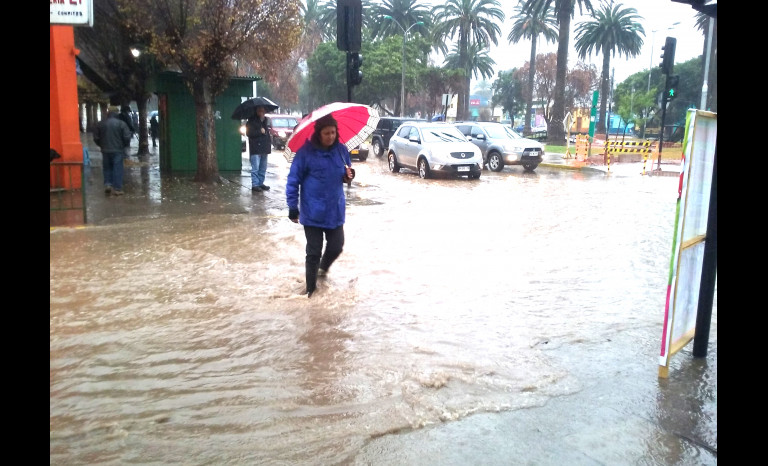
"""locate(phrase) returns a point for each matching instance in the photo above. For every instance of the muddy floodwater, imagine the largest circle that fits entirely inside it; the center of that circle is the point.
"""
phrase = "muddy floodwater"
(178, 335)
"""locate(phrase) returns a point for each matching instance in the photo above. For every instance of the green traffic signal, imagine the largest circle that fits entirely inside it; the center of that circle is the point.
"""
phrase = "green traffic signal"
(671, 87)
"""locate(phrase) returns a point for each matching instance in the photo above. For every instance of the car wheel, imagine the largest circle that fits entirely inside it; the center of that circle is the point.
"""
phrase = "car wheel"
(378, 151)
(362, 158)
(530, 166)
(394, 167)
(495, 162)
(423, 168)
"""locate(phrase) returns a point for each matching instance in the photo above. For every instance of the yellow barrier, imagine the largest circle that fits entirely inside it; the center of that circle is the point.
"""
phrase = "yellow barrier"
(634, 147)
(582, 147)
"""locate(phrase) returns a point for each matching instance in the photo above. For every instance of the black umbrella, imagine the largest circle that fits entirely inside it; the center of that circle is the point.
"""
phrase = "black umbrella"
(247, 109)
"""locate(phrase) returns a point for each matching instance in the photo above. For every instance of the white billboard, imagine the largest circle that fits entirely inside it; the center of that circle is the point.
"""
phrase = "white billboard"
(72, 12)
(691, 217)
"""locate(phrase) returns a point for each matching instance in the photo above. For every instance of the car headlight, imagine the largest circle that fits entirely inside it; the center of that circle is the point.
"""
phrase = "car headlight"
(363, 146)
(242, 130)
(281, 134)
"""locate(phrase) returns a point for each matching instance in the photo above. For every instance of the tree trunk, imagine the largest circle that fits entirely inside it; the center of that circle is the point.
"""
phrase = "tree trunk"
(207, 163)
(531, 78)
(555, 132)
(604, 92)
(141, 104)
(463, 101)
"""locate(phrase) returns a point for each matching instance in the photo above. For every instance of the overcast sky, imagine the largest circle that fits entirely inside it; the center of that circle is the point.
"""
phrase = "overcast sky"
(656, 15)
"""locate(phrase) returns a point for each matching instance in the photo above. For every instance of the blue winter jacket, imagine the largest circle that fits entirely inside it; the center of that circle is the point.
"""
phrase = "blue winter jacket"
(315, 185)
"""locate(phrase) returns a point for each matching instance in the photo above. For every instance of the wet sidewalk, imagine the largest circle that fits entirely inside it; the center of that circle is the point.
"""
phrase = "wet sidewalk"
(595, 163)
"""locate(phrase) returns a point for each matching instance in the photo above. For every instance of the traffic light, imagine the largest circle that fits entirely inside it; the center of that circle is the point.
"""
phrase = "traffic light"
(670, 89)
(349, 20)
(355, 76)
(668, 57)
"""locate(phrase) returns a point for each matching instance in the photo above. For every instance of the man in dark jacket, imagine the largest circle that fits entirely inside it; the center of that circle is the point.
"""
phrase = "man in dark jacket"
(125, 115)
(260, 145)
(112, 135)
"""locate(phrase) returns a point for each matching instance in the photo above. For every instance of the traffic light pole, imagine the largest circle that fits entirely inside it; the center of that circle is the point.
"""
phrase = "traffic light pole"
(661, 131)
(349, 80)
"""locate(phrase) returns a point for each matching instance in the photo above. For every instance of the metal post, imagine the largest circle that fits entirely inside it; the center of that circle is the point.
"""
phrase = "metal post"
(708, 270)
(402, 79)
(402, 76)
(663, 116)
(704, 86)
(349, 84)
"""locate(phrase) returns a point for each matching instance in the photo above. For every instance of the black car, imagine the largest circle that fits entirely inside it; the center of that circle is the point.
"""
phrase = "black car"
(384, 131)
(360, 152)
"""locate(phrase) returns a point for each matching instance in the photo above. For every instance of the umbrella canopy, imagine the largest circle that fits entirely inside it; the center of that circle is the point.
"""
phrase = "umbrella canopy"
(356, 123)
(247, 110)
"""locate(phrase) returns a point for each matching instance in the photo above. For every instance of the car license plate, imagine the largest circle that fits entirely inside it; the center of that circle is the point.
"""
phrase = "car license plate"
(354, 152)
(463, 169)
(534, 153)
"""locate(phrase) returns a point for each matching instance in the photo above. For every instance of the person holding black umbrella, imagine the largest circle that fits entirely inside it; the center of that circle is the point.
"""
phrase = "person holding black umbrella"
(260, 143)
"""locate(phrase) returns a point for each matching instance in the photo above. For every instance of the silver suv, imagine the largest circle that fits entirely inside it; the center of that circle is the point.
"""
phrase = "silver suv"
(501, 145)
(431, 148)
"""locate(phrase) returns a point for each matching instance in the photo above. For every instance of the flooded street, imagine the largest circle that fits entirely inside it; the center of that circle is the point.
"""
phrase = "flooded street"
(178, 334)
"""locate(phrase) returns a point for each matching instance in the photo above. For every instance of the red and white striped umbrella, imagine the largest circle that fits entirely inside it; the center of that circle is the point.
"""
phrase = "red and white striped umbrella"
(356, 123)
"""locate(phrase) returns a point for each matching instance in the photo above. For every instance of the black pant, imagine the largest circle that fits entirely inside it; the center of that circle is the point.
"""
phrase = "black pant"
(315, 256)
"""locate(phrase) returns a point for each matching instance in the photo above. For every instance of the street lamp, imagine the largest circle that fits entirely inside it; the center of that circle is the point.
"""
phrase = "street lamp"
(402, 80)
(650, 65)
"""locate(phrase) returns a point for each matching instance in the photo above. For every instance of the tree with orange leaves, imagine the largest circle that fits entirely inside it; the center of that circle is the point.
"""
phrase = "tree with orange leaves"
(203, 38)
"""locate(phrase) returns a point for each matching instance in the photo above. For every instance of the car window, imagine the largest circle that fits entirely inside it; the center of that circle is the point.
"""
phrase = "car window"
(284, 122)
(404, 132)
(442, 134)
(512, 134)
(413, 132)
(476, 130)
(465, 130)
(496, 132)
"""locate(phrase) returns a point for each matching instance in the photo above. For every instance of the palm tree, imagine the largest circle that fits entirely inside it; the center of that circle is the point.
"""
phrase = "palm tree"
(613, 30)
(319, 21)
(405, 12)
(480, 64)
(529, 26)
(564, 10)
(475, 22)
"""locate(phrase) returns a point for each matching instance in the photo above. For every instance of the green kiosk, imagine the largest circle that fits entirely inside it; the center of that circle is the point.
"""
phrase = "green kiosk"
(178, 128)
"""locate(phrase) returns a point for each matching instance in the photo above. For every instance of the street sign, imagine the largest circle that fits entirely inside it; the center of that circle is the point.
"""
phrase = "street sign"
(593, 116)
(567, 122)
